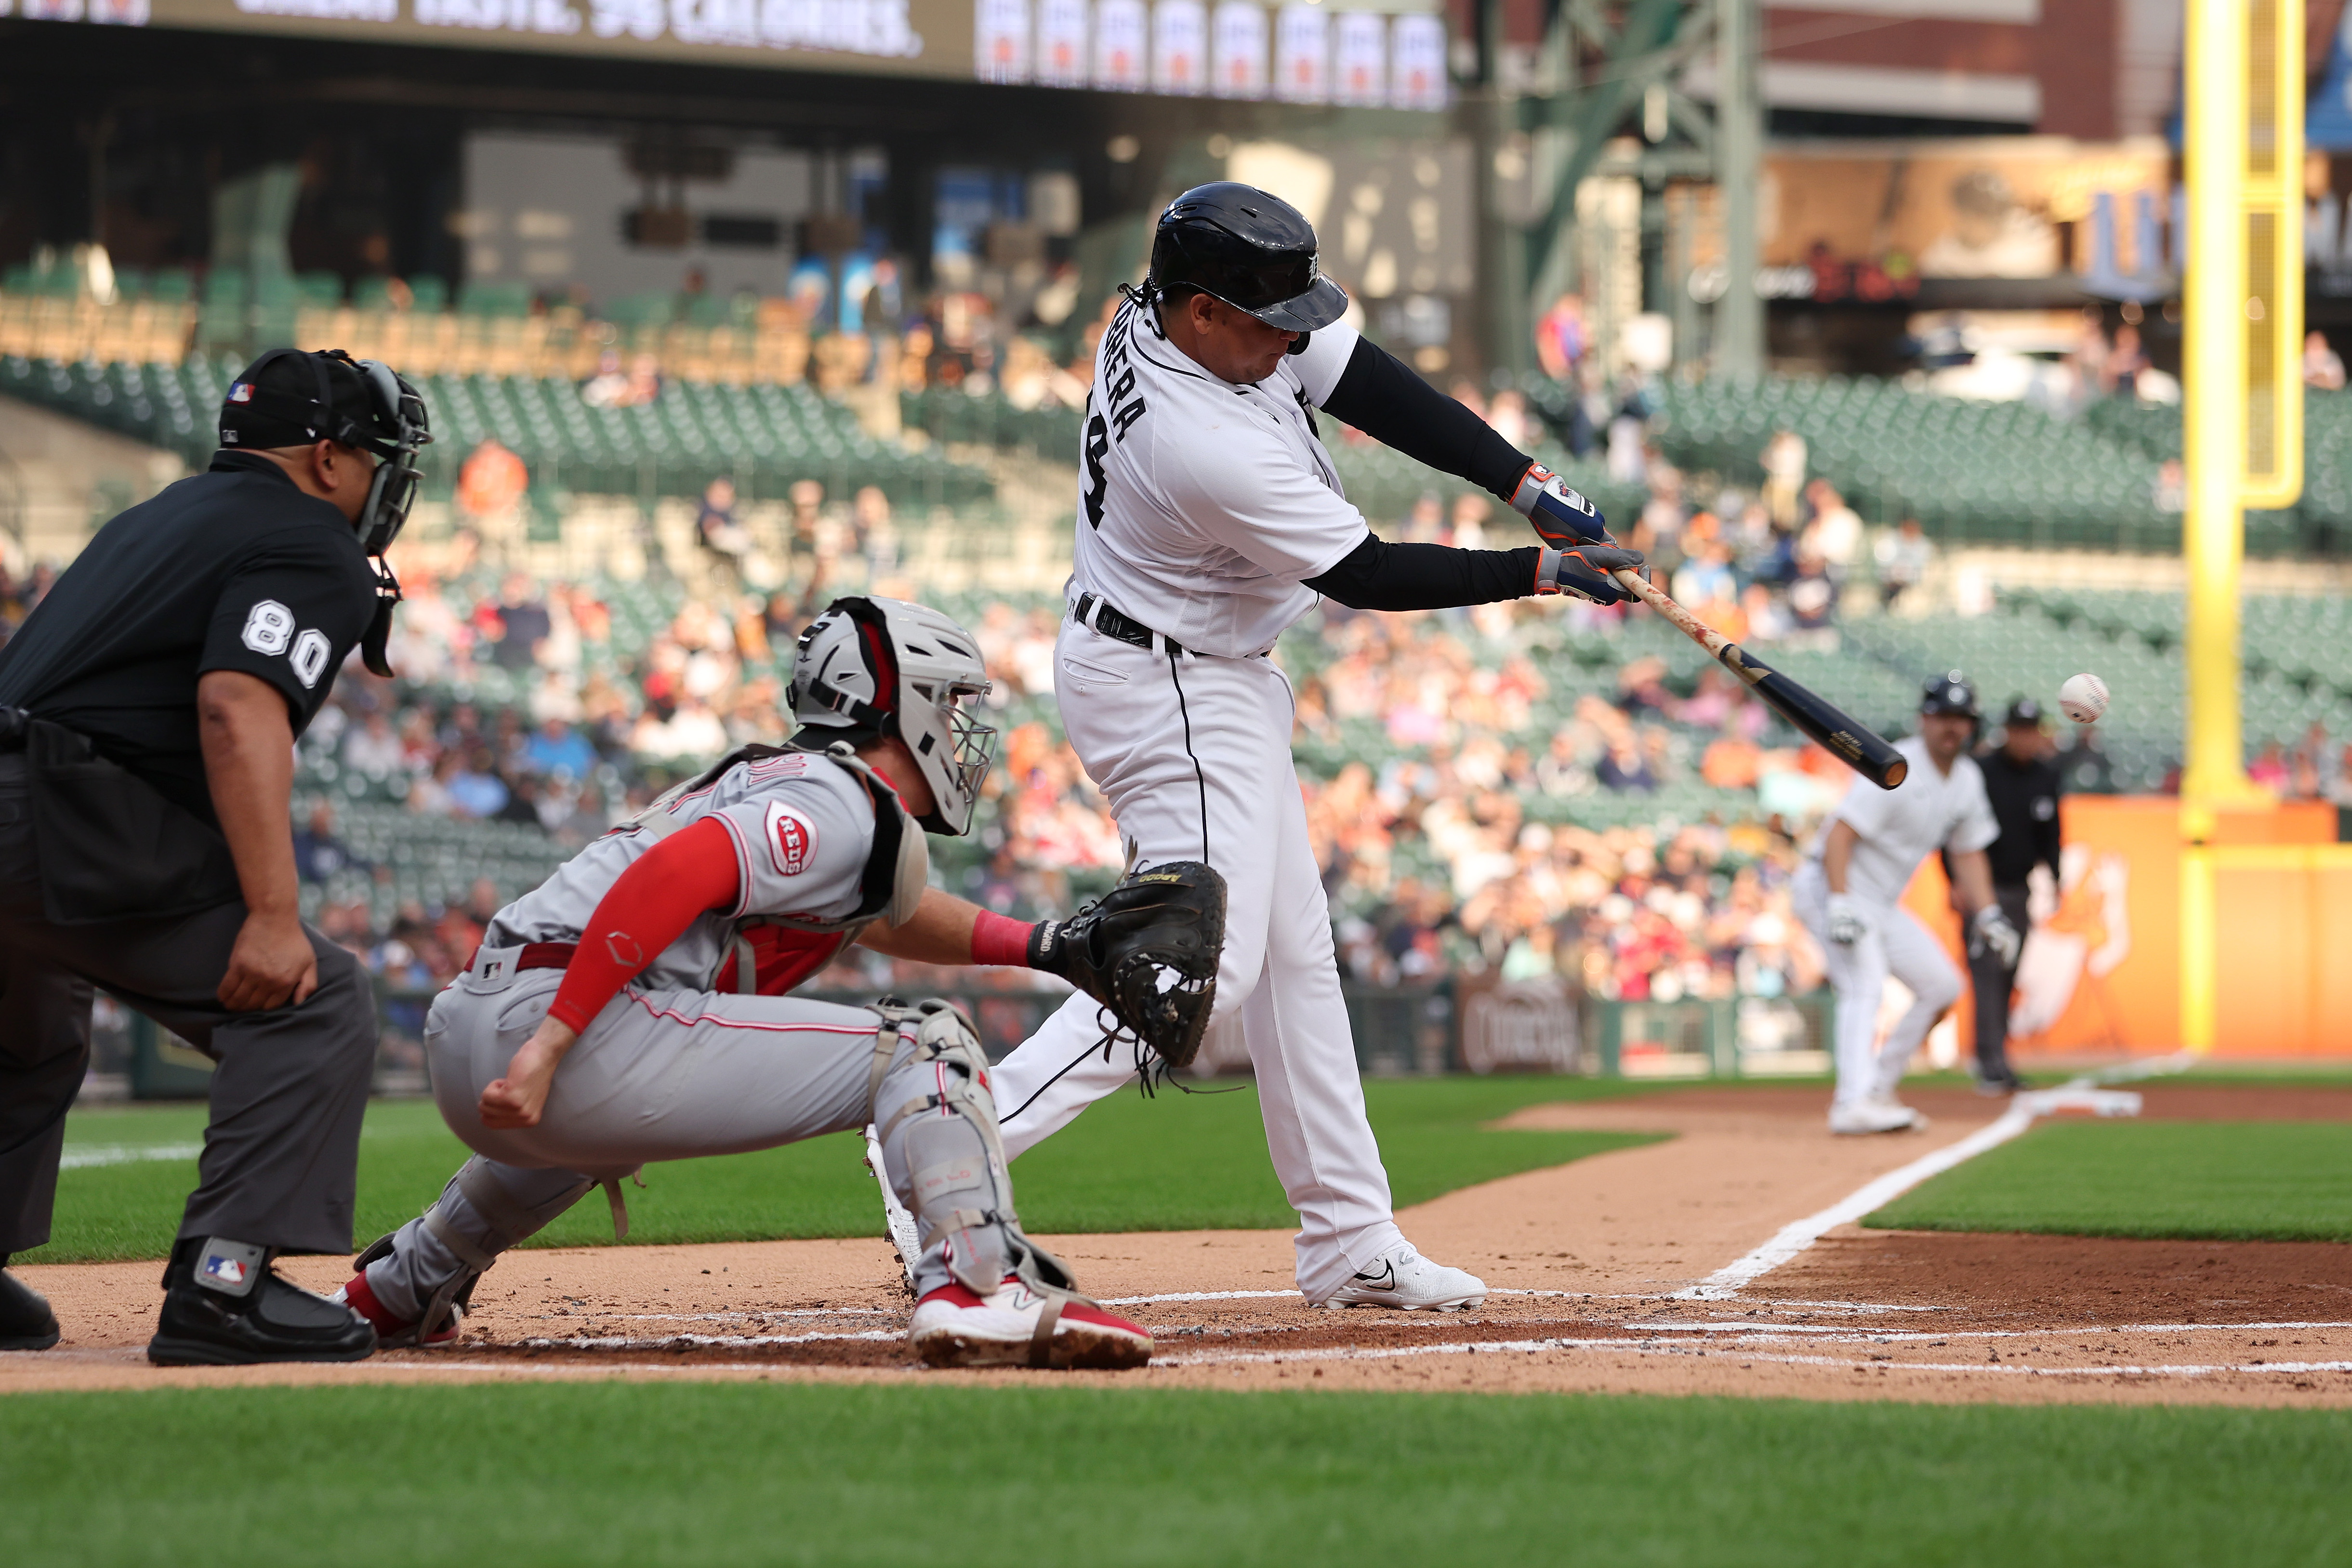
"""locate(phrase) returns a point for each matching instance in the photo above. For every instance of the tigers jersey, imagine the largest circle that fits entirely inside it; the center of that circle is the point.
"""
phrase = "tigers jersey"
(1203, 505)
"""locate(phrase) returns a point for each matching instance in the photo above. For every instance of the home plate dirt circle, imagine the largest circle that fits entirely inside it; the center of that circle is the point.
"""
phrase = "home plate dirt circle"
(1586, 1261)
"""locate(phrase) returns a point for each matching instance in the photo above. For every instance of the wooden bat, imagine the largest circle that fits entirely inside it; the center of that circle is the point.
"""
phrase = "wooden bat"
(1845, 737)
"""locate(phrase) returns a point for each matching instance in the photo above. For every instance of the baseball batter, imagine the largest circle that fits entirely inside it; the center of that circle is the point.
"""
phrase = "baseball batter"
(1849, 890)
(637, 1007)
(1210, 517)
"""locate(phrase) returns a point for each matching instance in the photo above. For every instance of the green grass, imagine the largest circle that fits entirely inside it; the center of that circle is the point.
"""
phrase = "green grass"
(643, 1475)
(2275, 1181)
(1176, 1163)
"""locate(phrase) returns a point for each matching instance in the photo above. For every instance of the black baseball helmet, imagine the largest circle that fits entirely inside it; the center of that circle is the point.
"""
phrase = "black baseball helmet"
(1950, 693)
(1253, 251)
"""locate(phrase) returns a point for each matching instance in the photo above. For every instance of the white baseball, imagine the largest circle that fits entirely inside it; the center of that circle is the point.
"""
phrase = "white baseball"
(2082, 698)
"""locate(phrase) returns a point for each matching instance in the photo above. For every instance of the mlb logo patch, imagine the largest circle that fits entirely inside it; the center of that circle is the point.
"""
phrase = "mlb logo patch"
(792, 841)
(241, 392)
(231, 1272)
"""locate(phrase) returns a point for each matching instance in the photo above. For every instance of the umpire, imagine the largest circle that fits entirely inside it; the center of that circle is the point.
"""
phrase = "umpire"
(2023, 782)
(148, 712)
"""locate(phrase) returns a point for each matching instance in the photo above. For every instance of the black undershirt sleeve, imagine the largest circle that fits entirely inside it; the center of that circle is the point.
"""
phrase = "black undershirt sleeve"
(1379, 395)
(1378, 575)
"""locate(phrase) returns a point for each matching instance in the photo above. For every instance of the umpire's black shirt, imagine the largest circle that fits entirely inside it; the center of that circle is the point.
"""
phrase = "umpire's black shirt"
(2024, 798)
(234, 569)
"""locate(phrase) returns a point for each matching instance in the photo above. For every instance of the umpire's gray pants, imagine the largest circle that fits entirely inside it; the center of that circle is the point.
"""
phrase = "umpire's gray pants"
(282, 1149)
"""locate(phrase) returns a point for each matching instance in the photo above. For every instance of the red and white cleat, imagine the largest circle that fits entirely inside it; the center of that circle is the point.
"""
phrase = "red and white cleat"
(392, 1332)
(1016, 1326)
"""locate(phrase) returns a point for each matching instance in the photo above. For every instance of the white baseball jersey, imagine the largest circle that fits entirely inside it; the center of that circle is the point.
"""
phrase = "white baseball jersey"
(1203, 504)
(802, 827)
(1900, 827)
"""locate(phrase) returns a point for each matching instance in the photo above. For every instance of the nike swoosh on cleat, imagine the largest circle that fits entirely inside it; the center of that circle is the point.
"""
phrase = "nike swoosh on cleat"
(1384, 1281)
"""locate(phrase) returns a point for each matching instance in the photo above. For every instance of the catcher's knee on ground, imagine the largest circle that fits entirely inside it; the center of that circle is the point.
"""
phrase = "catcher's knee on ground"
(426, 1270)
(937, 1123)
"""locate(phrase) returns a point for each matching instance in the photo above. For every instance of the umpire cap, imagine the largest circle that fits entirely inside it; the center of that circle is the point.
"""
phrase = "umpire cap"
(1950, 693)
(1253, 251)
(289, 398)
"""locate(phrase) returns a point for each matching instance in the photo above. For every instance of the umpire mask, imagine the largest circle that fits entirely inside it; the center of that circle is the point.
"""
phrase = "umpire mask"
(363, 404)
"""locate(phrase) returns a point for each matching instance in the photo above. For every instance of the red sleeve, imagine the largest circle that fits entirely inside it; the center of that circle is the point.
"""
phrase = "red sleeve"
(670, 886)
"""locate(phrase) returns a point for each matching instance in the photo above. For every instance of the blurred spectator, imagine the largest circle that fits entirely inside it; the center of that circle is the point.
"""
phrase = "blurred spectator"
(714, 525)
(1902, 555)
(318, 852)
(558, 750)
(491, 482)
(2268, 769)
(1784, 458)
(1560, 338)
(2171, 486)
(2322, 367)
(521, 623)
(1835, 532)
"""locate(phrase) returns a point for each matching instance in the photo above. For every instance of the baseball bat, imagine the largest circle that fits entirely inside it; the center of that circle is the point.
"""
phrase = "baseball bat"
(1845, 736)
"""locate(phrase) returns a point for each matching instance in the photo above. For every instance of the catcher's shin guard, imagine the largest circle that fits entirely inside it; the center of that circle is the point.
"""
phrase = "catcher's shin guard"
(943, 1158)
(426, 1272)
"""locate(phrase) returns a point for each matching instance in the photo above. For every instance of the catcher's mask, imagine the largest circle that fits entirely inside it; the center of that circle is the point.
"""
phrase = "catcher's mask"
(870, 666)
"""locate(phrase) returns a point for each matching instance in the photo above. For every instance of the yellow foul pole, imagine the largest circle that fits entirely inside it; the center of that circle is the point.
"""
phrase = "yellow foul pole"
(2213, 403)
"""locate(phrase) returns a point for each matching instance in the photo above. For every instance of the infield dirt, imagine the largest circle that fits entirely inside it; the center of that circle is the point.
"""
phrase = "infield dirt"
(1586, 1260)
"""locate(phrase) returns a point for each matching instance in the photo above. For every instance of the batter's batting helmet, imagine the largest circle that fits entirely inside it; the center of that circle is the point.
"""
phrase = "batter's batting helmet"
(1950, 693)
(1253, 251)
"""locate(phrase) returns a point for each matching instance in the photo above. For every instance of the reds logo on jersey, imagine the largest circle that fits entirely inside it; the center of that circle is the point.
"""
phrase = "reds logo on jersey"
(792, 841)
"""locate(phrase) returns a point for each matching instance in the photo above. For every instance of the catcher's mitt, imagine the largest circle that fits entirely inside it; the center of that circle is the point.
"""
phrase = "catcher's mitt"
(1148, 950)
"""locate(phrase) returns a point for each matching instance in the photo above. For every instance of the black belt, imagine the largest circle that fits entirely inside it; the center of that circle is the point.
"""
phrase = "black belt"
(1106, 619)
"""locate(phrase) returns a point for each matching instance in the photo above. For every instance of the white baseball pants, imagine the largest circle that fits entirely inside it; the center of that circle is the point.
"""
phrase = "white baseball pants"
(1195, 754)
(1897, 944)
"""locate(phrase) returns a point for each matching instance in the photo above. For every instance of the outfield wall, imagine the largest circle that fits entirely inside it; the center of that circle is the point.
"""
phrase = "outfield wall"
(2104, 971)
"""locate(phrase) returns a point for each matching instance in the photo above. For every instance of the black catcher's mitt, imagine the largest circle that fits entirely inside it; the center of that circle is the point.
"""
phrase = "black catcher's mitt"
(1148, 950)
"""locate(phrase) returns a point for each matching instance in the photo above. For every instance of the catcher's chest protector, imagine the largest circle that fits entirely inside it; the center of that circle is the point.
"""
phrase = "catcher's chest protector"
(773, 954)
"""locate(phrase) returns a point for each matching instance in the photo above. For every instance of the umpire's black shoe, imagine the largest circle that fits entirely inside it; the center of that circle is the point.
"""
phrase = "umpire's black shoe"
(25, 1321)
(224, 1305)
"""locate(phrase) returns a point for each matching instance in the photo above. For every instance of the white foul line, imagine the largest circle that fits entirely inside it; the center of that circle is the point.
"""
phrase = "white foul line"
(1796, 1236)
(83, 1158)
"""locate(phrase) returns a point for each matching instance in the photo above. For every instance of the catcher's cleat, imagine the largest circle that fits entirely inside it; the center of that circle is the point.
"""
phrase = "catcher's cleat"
(1404, 1280)
(1017, 1325)
(392, 1332)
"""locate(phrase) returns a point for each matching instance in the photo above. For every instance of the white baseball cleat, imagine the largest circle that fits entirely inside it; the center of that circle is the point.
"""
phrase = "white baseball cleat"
(1403, 1279)
(1016, 1326)
(1874, 1116)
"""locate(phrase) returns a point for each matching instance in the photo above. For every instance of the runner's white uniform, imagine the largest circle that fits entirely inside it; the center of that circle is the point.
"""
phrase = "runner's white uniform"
(1203, 507)
(1897, 829)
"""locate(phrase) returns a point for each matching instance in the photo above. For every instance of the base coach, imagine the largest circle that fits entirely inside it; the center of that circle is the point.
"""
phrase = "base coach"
(148, 712)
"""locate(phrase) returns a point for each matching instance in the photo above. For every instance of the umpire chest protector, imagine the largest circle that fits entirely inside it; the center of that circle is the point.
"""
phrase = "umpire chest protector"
(897, 869)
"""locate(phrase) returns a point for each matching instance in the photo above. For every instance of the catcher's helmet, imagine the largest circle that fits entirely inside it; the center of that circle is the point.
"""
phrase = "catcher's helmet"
(1253, 251)
(871, 666)
(1950, 693)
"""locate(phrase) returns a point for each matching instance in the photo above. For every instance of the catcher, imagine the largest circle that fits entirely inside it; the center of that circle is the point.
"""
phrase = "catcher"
(637, 1005)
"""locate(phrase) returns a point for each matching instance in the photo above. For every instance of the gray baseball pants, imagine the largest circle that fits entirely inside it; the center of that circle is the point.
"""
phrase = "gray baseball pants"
(656, 1075)
(281, 1153)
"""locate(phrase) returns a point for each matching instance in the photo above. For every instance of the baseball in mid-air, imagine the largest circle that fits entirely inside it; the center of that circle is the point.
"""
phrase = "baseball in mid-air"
(2082, 698)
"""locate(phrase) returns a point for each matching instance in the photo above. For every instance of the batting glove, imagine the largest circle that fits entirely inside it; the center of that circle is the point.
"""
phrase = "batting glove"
(1847, 923)
(1992, 930)
(1584, 572)
(1563, 518)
